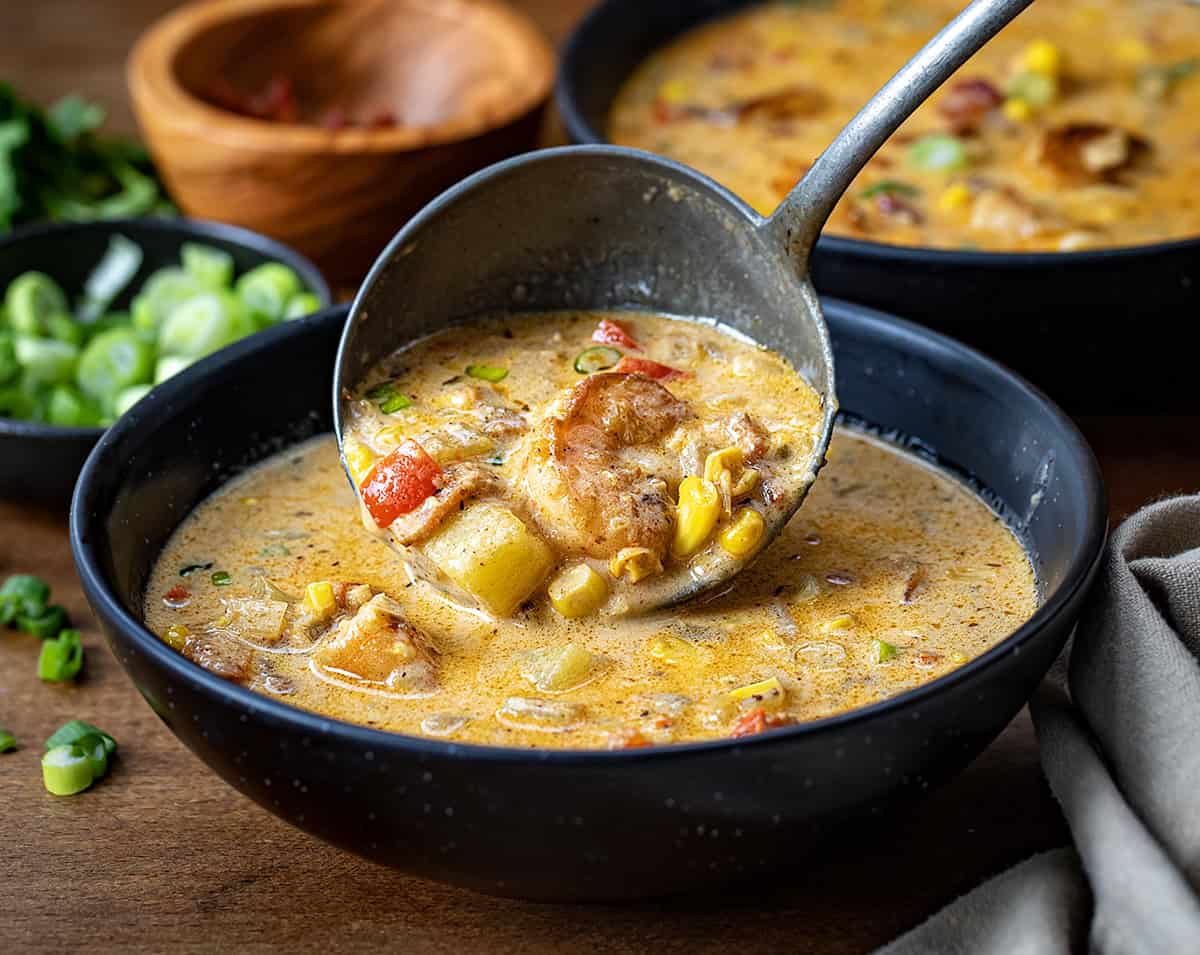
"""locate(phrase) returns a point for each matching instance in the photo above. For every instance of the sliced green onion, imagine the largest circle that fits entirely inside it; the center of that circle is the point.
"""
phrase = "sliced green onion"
(1036, 89)
(32, 298)
(300, 305)
(492, 373)
(221, 579)
(203, 324)
(596, 358)
(170, 365)
(211, 267)
(45, 625)
(68, 408)
(15, 402)
(881, 650)
(128, 397)
(938, 152)
(112, 274)
(75, 730)
(23, 593)
(267, 289)
(1156, 82)
(389, 398)
(114, 360)
(9, 366)
(45, 360)
(63, 328)
(95, 748)
(8, 742)
(67, 770)
(61, 658)
(160, 295)
(890, 187)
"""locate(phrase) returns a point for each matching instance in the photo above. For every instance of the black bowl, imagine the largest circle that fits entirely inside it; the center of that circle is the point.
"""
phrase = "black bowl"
(40, 462)
(582, 825)
(1053, 317)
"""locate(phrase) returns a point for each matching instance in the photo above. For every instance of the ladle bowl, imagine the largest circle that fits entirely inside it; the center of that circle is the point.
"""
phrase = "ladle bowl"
(603, 227)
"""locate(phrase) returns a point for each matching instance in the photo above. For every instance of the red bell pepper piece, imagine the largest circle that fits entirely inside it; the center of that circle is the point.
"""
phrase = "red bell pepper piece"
(644, 366)
(612, 333)
(398, 483)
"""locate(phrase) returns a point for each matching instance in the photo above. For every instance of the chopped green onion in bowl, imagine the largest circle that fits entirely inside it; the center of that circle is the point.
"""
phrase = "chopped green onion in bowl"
(84, 367)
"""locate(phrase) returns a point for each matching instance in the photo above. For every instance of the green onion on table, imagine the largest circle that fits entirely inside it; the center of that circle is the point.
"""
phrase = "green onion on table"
(86, 366)
(77, 754)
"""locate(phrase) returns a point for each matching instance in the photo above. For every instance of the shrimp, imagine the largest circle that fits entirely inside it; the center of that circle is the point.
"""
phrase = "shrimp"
(377, 649)
(595, 470)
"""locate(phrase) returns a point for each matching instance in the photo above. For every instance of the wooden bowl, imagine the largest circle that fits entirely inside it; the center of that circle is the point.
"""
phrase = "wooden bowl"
(464, 78)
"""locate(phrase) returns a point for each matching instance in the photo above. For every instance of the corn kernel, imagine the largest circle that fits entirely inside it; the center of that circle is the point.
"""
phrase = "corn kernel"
(742, 536)
(1042, 56)
(954, 198)
(695, 516)
(674, 651)
(674, 91)
(769, 694)
(958, 657)
(1132, 52)
(726, 470)
(1017, 110)
(842, 621)
(359, 459)
(727, 459)
(638, 562)
(318, 598)
(176, 636)
(577, 591)
(249, 501)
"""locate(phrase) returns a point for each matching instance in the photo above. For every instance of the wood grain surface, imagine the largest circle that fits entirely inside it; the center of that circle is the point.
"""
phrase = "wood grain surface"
(163, 856)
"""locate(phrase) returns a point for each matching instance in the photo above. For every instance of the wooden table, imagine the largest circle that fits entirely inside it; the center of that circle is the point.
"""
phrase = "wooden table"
(162, 855)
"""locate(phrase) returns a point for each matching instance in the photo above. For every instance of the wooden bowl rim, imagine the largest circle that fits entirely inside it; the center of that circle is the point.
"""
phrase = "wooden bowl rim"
(156, 90)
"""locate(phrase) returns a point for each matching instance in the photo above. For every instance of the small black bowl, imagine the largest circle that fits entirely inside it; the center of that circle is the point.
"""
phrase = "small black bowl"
(573, 824)
(39, 462)
(1110, 331)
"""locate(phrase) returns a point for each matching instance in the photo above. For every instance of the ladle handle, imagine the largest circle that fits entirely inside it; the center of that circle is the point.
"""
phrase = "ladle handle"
(800, 217)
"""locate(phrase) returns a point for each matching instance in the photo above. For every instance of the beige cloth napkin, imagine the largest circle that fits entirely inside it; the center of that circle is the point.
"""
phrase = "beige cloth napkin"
(1120, 745)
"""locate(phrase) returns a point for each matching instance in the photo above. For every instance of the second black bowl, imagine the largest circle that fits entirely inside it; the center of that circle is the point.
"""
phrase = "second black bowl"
(39, 462)
(1110, 331)
(582, 824)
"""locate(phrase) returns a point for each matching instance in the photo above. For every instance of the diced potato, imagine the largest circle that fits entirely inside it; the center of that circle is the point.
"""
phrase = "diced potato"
(377, 650)
(319, 600)
(489, 552)
(558, 669)
(577, 591)
(359, 459)
(768, 694)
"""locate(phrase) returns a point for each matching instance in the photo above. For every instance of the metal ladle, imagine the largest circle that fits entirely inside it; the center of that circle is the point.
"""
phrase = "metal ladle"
(602, 227)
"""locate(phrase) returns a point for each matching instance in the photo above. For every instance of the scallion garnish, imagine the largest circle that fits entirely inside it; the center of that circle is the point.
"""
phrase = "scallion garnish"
(45, 625)
(73, 731)
(389, 398)
(61, 658)
(8, 742)
(492, 373)
(67, 770)
(221, 579)
(596, 358)
(938, 152)
(23, 594)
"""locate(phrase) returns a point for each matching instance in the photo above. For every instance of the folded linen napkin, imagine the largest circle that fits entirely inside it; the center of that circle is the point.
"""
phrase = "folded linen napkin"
(1119, 731)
